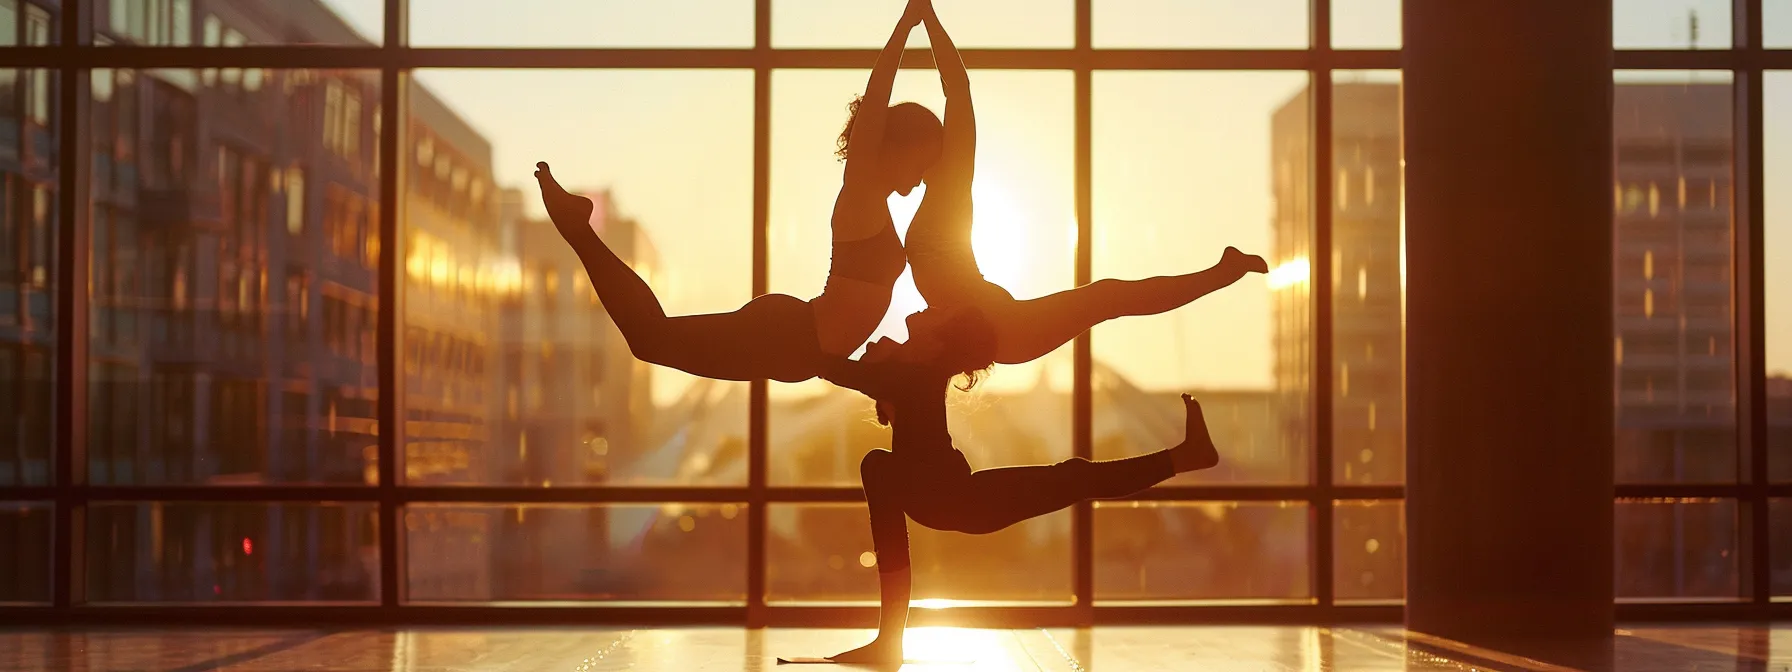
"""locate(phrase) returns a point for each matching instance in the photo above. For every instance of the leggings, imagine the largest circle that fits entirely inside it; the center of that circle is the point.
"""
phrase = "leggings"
(944, 494)
(946, 274)
(772, 336)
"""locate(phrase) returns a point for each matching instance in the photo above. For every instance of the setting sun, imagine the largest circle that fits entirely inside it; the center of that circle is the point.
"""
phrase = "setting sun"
(1000, 235)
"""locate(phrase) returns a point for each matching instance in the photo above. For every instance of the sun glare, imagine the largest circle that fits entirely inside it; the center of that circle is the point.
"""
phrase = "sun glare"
(942, 645)
(999, 235)
(1289, 273)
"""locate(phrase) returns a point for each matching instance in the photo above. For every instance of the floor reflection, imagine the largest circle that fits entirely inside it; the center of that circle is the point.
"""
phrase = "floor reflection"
(1713, 648)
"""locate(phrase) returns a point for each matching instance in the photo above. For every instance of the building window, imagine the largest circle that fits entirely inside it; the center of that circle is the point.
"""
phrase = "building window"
(351, 124)
(125, 90)
(39, 262)
(183, 23)
(371, 249)
(295, 200)
(37, 81)
(9, 23)
(332, 113)
(12, 244)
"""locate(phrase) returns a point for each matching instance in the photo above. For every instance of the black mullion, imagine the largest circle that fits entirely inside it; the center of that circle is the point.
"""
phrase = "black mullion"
(738, 494)
(758, 403)
(72, 257)
(389, 347)
(1321, 296)
(410, 58)
(1082, 520)
(1741, 492)
(1749, 314)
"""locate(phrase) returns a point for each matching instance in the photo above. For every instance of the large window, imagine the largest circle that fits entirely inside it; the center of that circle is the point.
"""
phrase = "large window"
(1698, 382)
(333, 351)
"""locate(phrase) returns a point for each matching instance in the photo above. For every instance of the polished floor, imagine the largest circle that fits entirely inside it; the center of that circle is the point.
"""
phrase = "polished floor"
(1638, 649)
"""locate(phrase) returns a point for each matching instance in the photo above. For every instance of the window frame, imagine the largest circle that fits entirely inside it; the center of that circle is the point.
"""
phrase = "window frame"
(72, 54)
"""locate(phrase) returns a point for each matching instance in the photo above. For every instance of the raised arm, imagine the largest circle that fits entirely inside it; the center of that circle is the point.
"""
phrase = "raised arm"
(867, 136)
(958, 153)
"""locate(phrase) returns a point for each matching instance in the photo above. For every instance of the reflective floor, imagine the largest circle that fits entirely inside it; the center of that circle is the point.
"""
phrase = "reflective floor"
(1642, 649)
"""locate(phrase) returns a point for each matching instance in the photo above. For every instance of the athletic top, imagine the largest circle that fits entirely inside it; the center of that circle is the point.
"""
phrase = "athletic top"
(877, 259)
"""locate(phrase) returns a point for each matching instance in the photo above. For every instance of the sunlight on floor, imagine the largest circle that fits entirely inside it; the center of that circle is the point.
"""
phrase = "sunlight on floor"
(953, 645)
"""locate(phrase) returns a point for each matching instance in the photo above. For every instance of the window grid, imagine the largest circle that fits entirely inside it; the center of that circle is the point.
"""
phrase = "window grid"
(1747, 60)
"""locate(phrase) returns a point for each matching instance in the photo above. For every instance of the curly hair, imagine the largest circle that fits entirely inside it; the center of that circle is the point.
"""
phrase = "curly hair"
(906, 122)
(970, 352)
(971, 339)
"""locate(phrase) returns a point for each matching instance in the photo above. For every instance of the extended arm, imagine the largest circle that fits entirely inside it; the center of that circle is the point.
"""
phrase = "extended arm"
(959, 151)
(868, 126)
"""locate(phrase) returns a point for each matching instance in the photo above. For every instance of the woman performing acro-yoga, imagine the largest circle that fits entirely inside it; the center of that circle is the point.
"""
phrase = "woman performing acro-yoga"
(925, 478)
(887, 149)
(945, 269)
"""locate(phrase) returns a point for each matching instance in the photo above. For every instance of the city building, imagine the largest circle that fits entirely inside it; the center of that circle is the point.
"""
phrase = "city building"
(1368, 375)
(1672, 276)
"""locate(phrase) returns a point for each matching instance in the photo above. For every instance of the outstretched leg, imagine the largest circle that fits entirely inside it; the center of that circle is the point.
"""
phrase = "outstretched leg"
(626, 296)
(1030, 329)
(772, 336)
(994, 499)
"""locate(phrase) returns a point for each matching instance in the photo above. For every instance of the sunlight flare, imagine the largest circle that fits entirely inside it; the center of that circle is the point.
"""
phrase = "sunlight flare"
(1290, 273)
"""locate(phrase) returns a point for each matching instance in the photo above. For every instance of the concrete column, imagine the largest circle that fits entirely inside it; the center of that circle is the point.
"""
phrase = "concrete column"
(1509, 351)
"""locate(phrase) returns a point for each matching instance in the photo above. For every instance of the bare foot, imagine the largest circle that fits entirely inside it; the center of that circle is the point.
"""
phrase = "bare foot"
(1196, 452)
(571, 213)
(1242, 263)
(878, 652)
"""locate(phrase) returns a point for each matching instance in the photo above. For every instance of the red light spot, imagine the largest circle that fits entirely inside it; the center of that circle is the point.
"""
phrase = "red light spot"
(248, 546)
(216, 590)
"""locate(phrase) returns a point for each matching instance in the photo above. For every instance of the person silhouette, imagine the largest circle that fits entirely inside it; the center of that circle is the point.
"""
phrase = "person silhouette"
(925, 478)
(945, 267)
(887, 149)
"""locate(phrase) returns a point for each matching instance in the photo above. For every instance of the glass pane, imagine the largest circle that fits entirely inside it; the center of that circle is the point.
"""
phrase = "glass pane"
(1670, 549)
(1779, 543)
(1369, 539)
(1672, 273)
(25, 531)
(28, 232)
(1024, 238)
(1154, 551)
(196, 23)
(1176, 24)
(1368, 280)
(514, 372)
(233, 299)
(1366, 24)
(1177, 180)
(1776, 26)
(1671, 24)
(822, 553)
(1778, 255)
(190, 552)
(627, 552)
(868, 23)
(582, 23)
(29, 24)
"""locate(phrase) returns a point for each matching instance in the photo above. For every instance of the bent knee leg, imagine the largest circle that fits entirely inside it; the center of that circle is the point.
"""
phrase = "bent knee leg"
(877, 466)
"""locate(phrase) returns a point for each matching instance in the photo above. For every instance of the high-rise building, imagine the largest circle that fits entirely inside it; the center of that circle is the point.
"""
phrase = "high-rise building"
(1368, 346)
(235, 266)
(28, 171)
(1672, 276)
